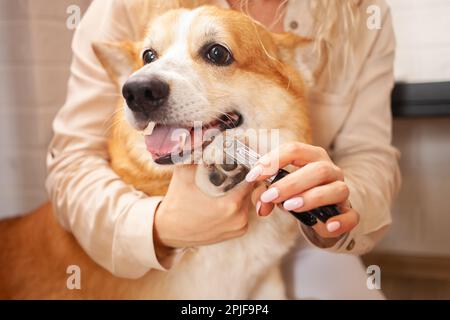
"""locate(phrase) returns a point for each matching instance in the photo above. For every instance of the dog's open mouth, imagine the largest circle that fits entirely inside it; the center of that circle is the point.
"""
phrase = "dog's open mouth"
(169, 144)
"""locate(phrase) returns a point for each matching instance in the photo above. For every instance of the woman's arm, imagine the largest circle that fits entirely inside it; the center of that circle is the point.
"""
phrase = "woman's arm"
(363, 149)
(111, 221)
(362, 174)
(116, 225)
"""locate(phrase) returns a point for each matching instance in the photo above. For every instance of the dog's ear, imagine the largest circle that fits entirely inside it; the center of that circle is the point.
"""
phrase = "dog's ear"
(120, 60)
(300, 53)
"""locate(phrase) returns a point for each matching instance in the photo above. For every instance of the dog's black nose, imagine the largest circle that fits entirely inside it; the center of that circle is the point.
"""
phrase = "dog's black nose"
(144, 95)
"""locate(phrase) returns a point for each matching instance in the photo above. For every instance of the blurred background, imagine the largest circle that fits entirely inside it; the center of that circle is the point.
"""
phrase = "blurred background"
(415, 255)
(35, 56)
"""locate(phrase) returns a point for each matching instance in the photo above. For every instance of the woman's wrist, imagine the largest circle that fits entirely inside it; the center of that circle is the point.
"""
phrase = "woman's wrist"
(162, 250)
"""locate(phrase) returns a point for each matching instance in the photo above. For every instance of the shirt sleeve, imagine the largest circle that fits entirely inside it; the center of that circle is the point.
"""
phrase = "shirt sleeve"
(111, 220)
(363, 150)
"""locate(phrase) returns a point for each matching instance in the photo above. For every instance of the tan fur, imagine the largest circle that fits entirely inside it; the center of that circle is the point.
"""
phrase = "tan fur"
(35, 251)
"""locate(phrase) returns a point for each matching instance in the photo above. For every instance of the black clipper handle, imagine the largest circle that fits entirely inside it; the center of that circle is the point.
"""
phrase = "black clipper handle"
(309, 218)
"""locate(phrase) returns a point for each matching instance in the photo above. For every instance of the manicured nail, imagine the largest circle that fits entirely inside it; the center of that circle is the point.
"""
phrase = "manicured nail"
(253, 174)
(333, 226)
(269, 195)
(293, 203)
(258, 207)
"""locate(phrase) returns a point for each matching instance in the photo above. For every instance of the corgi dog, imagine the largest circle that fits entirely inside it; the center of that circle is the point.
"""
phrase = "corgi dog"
(209, 65)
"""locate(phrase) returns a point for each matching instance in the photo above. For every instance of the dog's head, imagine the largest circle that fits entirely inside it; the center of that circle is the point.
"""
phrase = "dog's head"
(208, 67)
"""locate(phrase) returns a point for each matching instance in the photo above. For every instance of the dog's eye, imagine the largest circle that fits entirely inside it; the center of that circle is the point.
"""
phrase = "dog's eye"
(149, 56)
(219, 55)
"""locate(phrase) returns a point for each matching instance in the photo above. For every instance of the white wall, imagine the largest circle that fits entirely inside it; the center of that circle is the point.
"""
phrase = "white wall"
(422, 28)
(422, 211)
(34, 59)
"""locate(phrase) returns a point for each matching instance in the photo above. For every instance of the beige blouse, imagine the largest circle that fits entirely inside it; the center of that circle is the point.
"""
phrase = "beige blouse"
(113, 222)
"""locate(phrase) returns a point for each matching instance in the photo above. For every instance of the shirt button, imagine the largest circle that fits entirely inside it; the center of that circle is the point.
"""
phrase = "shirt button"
(351, 245)
(293, 24)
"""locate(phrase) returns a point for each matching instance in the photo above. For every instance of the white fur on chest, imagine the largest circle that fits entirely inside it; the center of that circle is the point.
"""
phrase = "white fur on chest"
(231, 269)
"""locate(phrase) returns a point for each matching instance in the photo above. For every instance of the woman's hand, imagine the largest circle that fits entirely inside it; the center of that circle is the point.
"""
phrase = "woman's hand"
(317, 182)
(187, 217)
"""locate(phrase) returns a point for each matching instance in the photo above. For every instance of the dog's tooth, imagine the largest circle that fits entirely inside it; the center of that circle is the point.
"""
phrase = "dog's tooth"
(149, 129)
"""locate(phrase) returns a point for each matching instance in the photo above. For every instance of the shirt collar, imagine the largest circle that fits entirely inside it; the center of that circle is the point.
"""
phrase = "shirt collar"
(298, 18)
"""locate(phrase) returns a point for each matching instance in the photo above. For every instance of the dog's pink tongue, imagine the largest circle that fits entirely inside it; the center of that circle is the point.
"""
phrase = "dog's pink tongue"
(162, 141)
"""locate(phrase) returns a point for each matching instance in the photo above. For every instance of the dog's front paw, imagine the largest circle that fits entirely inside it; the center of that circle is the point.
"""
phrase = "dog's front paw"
(217, 179)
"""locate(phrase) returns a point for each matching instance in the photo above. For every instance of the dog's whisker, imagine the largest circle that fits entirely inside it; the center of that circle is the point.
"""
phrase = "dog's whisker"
(220, 119)
(114, 121)
(112, 125)
(229, 118)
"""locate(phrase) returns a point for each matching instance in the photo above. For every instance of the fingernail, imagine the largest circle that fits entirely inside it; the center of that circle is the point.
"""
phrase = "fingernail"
(293, 203)
(253, 174)
(258, 207)
(333, 226)
(269, 195)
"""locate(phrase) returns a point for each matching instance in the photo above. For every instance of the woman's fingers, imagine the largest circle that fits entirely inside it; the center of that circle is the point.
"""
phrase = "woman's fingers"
(265, 209)
(338, 225)
(295, 153)
(262, 209)
(332, 193)
(318, 182)
(310, 176)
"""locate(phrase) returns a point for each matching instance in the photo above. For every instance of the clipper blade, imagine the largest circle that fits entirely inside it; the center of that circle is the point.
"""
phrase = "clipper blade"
(238, 152)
